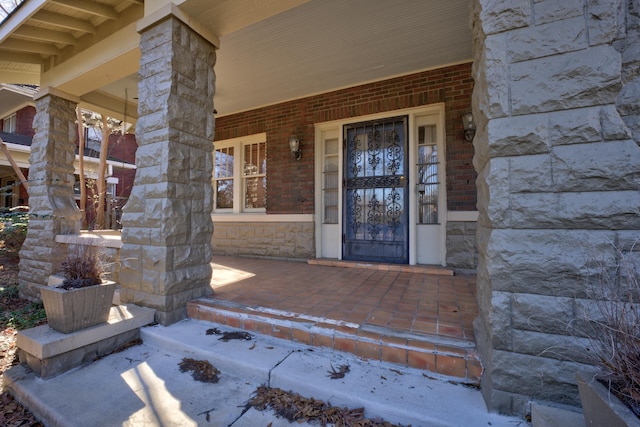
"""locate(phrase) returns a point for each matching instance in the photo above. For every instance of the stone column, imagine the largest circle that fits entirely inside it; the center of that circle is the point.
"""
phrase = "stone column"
(558, 171)
(167, 227)
(52, 205)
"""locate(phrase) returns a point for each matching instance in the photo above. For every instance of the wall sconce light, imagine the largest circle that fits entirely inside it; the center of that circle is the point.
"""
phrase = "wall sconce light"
(294, 145)
(469, 126)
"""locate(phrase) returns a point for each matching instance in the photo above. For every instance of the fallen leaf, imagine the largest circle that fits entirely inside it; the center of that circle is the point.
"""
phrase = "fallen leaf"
(201, 370)
(340, 373)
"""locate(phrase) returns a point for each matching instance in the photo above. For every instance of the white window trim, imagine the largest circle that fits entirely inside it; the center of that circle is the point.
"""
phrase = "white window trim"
(238, 192)
(12, 119)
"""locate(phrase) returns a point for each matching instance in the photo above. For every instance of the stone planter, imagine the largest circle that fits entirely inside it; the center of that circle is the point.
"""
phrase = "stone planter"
(75, 309)
(600, 407)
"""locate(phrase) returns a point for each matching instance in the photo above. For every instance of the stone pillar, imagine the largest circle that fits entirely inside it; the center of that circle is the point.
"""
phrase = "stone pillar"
(558, 160)
(167, 227)
(52, 205)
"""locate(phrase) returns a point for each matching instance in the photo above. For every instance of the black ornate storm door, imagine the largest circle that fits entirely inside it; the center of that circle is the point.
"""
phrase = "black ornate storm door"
(376, 225)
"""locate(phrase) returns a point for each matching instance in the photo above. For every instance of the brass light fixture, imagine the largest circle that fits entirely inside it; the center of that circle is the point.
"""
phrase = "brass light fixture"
(294, 146)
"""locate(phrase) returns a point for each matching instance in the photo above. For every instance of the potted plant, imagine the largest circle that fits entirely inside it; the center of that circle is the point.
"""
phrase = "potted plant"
(610, 395)
(84, 298)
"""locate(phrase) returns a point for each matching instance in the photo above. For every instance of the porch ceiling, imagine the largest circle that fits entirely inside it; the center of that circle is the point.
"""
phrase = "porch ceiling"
(270, 50)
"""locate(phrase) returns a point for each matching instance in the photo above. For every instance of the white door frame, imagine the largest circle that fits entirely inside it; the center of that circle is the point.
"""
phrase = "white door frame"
(329, 236)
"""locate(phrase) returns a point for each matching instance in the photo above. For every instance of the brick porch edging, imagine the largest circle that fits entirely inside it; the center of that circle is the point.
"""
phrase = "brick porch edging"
(420, 352)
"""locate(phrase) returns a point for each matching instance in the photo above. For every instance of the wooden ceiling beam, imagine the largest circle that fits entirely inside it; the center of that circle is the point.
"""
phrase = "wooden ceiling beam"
(30, 47)
(63, 21)
(91, 7)
(20, 57)
(45, 35)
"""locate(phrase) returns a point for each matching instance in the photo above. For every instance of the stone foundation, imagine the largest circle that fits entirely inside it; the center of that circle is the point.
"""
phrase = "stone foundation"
(267, 239)
(462, 252)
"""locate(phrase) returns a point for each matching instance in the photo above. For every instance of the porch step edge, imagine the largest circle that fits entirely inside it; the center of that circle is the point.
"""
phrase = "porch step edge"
(459, 363)
(426, 269)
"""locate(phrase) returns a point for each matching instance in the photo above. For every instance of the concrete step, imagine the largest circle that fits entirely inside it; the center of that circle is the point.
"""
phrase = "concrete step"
(399, 394)
(456, 358)
(143, 385)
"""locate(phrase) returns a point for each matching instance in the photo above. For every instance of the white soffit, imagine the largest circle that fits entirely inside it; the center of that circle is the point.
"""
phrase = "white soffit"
(324, 45)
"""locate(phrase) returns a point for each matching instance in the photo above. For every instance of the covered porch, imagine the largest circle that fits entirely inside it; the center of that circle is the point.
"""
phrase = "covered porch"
(417, 316)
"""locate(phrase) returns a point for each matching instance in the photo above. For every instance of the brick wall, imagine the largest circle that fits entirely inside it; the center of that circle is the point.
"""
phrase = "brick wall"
(123, 148)
(24, 120)
(290, 187)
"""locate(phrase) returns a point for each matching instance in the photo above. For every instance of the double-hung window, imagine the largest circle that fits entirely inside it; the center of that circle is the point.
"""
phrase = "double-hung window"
(9, 124)
(240, 174)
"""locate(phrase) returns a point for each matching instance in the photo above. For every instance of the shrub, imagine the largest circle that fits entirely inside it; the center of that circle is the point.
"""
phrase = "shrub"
(13, 229)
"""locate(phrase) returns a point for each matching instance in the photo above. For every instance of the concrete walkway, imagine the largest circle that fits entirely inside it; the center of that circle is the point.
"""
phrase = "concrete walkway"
(143, 386)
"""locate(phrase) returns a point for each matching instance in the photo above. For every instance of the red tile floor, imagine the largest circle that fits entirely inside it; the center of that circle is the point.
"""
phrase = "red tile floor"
(412, 315)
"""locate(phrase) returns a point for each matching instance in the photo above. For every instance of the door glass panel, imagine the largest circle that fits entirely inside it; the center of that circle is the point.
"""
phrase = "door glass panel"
(330, 184)
(427, 180)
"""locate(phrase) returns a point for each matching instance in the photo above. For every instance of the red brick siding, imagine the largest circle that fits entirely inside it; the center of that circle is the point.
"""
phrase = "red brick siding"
(122, 148)
(24, 121)
(23, 197)
(125, 182)
(290, 184)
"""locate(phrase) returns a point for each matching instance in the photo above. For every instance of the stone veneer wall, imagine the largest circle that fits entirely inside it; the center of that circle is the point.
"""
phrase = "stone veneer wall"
(557, 86)
(167, 227)
(51, 201)
(462, 252)
(268, 239)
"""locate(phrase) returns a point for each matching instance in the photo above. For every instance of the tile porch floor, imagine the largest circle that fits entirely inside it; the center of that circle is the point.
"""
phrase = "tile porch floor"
(416, 316)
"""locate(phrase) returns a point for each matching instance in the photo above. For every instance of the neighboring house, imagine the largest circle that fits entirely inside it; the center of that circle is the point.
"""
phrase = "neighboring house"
(16, 117)
(338, 134)
(16, 121)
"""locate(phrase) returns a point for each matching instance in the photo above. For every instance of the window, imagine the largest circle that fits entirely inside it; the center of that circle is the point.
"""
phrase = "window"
(330, 181)
(9, 124)
(427, 167)
(240, 174)
(9, 190)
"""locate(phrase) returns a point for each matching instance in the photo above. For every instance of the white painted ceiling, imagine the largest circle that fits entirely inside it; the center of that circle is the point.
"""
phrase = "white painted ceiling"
(320, 45)
(328, 44)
